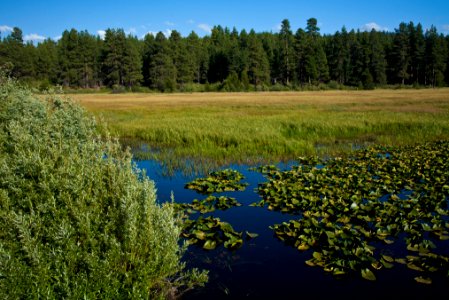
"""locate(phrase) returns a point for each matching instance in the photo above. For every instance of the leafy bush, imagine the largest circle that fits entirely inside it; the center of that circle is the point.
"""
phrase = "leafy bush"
(77, 219)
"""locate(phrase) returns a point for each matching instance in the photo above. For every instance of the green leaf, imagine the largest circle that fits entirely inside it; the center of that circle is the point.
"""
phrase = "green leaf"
(388, 258)
(210, 245)
(414, 267)
(423, 280)
(251, 235)
(201, 235)
(310, 263)
(368, 274)
(386, 264)
(318, 256)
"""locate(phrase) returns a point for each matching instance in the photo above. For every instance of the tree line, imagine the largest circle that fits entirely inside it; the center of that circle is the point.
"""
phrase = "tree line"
(231, 60)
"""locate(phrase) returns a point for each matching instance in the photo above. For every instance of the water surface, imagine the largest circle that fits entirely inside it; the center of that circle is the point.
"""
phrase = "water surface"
(265, 268)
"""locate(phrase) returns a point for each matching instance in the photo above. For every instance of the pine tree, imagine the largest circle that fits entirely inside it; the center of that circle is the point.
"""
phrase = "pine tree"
(339, 57)
(400, 54)
(182, 58)
(149, 49)
(436, 54)
(122, 63)
(46, 63)
(162, 73)
(447, 60)
(310, 52)
(132, 61)
(417, 54)
(300, 56)
(87, 57)
(68, 58)
(17, 56)
(286, 54)
(378, 62)
(270, 46)
(219, 60)
(113, 57)
(258, 65)
(200, 58)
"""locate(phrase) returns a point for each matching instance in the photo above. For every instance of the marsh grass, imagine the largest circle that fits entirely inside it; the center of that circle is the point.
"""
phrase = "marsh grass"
(274, 126)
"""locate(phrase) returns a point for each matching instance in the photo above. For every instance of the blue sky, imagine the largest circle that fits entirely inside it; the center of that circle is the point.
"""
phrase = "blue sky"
(48, 19)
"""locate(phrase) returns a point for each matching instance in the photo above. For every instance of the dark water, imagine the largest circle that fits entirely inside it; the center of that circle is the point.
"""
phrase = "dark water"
(265, 268)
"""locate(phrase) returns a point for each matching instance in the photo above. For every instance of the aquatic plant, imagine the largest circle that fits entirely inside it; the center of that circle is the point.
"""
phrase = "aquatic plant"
(217, 182)
(208, 205)
(347, 206)
(211, 232)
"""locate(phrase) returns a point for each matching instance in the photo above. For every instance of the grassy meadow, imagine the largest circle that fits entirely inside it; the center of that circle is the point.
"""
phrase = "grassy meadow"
(273, 126)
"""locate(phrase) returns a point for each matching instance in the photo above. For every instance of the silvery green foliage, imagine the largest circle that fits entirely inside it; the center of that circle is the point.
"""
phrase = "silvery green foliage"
(76, 221)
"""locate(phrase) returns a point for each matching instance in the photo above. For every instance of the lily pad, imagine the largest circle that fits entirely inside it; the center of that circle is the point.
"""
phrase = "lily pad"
(423, 280)
(368, 274)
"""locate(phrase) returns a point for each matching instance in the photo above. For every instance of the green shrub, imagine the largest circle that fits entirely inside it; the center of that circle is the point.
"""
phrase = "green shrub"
(77, 219)
(118, 89)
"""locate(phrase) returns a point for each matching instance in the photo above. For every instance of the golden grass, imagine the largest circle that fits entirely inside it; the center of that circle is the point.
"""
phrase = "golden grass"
(273, 125)
(435, 100)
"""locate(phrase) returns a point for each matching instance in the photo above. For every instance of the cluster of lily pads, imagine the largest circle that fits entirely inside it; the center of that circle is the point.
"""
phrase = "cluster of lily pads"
(208, 205)
(221, 181)
(211, 232)
(349, 207)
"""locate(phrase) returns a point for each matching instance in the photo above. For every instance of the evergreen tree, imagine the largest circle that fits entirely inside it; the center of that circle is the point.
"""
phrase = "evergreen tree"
(79, 59)
(46, 63)
(312, 28)
(149, 49)
(87, 60)
(219, 60)
(162, 73)
(122, 64)
(113, 57)
(270, 46)
(17, 56)
(132, 71)
(301, 49)
(68, 56)
(286, 53)
(359, 64)
(183, 60)
(417, 54)
(436, 54)
(314, 57)
(400, 54)
(199, 55)
(447, 60)
(339, 57)
(258, 65)
(378, 62)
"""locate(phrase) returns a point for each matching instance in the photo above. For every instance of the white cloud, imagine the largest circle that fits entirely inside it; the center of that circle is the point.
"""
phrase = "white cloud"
(190, 21)
(34, 37)
(57, 38)
(5, 28)
(168, 23)
(205, 28)
(445, 28)
(167, 32)
(101, 33)
(372, 25)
